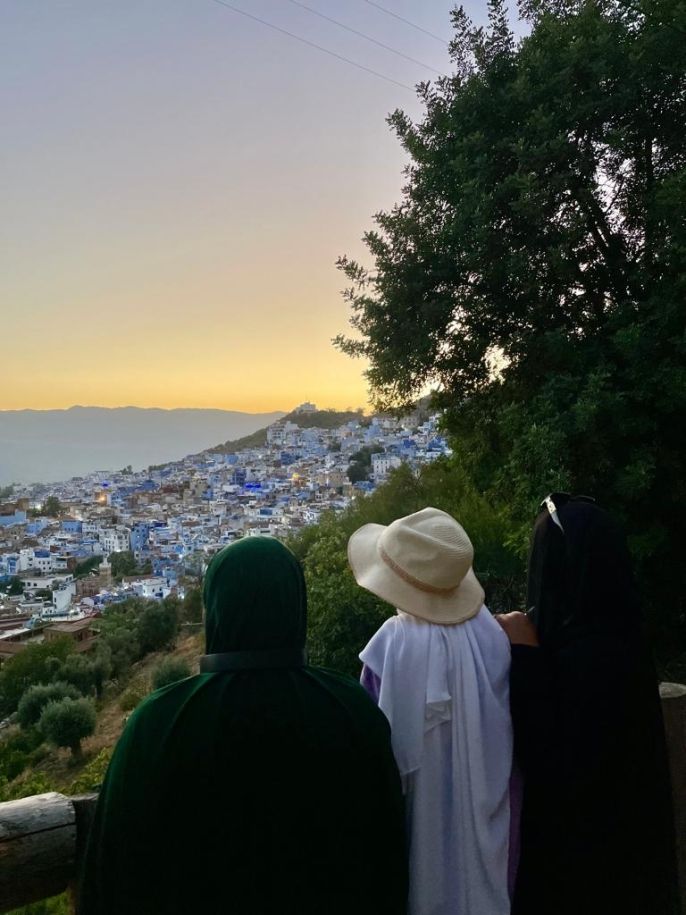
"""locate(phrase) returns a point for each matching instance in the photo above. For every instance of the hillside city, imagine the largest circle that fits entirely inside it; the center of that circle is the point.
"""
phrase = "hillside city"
(172, 518)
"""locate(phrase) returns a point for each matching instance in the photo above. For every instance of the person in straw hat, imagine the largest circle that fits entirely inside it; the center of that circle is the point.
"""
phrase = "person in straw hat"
(439, 670)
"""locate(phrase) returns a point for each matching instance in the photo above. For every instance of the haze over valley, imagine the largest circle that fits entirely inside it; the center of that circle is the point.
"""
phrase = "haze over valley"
(44, 446)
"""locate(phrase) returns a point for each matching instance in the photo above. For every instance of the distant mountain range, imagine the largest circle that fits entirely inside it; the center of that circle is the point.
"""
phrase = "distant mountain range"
(44, 446)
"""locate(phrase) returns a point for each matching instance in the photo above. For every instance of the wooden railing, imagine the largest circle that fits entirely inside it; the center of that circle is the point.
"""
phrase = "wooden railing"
(41, 840)
(42, 837)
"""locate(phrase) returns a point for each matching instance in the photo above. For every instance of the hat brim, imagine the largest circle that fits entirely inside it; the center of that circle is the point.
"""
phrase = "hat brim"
(373, 574)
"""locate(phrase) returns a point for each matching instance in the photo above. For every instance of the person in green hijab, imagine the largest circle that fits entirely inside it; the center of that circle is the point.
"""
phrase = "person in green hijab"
(261, 786)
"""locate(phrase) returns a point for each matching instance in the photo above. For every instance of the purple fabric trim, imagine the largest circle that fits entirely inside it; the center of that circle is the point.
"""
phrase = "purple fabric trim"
(371, 683)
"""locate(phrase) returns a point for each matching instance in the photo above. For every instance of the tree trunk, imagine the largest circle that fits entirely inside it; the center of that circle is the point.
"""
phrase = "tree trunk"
(674, 710)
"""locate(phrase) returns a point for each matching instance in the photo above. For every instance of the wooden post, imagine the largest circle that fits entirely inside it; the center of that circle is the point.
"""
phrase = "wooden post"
(674, 711)
(41, 839)
(37, 848)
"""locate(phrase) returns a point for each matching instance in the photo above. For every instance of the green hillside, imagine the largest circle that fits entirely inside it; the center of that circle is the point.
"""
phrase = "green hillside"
(320, 419)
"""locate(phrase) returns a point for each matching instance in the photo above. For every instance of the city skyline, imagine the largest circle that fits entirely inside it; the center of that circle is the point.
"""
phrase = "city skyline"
(180, 182)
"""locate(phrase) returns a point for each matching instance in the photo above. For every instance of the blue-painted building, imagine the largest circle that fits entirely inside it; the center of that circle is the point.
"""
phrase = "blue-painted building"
(16, 517)
(140, 534)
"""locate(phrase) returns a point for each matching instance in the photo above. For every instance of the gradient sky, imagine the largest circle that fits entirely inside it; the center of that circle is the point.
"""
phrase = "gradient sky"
(176, 182)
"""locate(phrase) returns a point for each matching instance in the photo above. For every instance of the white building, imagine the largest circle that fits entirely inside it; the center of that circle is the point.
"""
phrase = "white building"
(115, 540)
(382, 463)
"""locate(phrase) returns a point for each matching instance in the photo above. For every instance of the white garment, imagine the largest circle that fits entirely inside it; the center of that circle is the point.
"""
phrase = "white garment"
(445, 692)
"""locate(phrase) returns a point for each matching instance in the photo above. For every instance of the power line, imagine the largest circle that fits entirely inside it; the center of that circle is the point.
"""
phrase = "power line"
(311, 44)
(380, 44)
(406, 21)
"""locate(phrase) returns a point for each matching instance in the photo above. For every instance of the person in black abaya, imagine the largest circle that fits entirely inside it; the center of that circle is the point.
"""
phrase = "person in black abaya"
(597, 831)
(261, 786)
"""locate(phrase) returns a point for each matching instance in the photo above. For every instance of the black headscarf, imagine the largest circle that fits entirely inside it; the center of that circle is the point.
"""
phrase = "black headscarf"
(580, 576)
(266, 788)
(597, 832)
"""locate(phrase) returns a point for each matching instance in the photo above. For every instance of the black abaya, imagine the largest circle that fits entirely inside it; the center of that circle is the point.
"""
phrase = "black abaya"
(597, 835)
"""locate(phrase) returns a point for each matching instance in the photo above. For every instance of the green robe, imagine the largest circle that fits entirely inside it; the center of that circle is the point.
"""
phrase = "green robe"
(260, 791)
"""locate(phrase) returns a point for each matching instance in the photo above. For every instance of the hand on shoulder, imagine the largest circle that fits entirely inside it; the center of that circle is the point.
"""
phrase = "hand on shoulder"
(518, 628)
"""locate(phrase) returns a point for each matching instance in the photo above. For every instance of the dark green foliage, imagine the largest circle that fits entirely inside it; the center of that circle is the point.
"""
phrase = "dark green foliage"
(66, 722)
(361, 463)
(342, 616)
(158, 625)
(6, 492)
(17, 751)
(123, 646)
(88, 565)
(169, 671)
(37, 697)
(123, 564)
(101, 664)
(535, 271)
(36, 664)
(130, 630)
(15, 587)
(80, 672)
(192, 605)
(52, 507)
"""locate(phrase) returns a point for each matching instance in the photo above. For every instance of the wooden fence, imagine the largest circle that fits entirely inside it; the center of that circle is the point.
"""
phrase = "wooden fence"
(42, 837)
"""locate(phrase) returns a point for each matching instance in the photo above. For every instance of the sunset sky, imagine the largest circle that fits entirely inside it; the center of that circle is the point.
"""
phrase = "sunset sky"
(177, 182)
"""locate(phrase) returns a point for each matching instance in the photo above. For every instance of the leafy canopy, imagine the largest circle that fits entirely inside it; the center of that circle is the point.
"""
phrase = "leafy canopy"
(67, 721)
(533, 271)
(37, 697)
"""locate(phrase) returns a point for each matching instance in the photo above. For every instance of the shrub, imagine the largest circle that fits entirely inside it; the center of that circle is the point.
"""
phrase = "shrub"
(93, 775)
(130, 699)
(37, 697)
(170, 670)
(192, 605)
(35, 664)
(67, 722)
(157, 626)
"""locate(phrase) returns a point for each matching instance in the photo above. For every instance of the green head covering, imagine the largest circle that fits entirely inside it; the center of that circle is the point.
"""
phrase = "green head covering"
(257, 787)
(255, 598)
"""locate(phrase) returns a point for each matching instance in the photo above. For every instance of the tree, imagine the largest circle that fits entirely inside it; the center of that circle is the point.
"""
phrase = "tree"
(37, 697)
(17, 751)
(80, 672)
(357, 472)
(124, 650)
(66, 722)
(35, 664)
(6, 492)
(341, 616)
(123, 563)
(534, 271)
(361, 463)
(192, 605)
(157, 626)
(170, 670)
(16, 586)
(102, 667)
(88, 565)
(52, 507)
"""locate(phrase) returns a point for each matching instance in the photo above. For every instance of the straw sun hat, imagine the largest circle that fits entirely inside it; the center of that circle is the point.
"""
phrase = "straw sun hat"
(422, 564)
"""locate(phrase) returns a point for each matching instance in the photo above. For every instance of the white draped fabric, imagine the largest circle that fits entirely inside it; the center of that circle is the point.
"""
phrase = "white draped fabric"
(445, 692)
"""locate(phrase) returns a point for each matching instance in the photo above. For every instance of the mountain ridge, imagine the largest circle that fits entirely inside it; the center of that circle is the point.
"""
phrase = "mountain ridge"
(51, 445)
